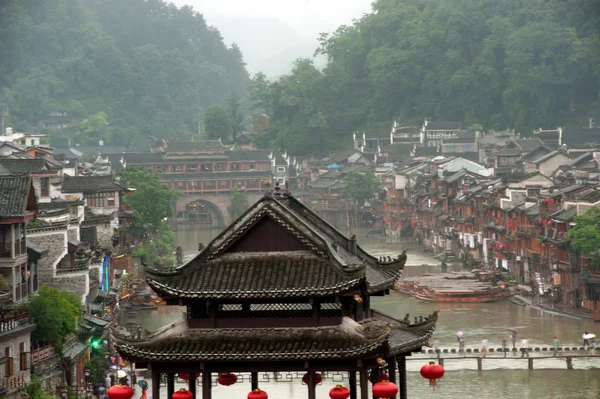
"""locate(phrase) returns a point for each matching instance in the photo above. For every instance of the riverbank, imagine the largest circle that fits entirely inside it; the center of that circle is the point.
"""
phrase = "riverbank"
(553, 308)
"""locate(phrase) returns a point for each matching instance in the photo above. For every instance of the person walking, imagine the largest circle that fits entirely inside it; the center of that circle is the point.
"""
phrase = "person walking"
(144, 385)
(555, 344)
(513, 337)
(524, 347)
(504, 350)
(593, 347)
(484, 344)
(461, 347)
(586, 342)
(436, 347)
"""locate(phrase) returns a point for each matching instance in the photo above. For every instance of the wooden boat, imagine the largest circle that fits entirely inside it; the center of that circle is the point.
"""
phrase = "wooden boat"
(455, 287)
(426, 325)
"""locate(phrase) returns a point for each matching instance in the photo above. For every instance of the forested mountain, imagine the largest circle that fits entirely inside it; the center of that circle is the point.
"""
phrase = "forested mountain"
(131, 69)
(521, 64)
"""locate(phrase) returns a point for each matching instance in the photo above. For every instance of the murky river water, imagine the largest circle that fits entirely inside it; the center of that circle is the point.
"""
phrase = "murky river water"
(499, 379)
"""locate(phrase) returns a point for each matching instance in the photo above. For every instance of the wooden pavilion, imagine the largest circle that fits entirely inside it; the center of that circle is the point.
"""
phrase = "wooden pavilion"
(279, 290)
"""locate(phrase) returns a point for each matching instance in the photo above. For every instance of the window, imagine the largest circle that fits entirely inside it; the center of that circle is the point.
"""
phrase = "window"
(32, 142)
(205, 167)
(223, 184)
(252, 166)
(192, 167)
(209, 185)
(9, 366)
(177, 168)
(450, 148)
(23, 356)
(234, 166)
(467, 148)
(281, 168)
(44, 186)
(111, 202)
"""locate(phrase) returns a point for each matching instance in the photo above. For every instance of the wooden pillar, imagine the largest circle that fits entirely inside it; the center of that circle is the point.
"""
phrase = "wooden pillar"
(441, 361)
(206, 385)
(155, 385)
(402, 374)
(375, 378)
(312, 392)
(530, 363)
(192, 384)
(253, 380)
(170, 385)
(352, 384)
(479, 364)
(569, 363)
(392, 372)
(364, 384)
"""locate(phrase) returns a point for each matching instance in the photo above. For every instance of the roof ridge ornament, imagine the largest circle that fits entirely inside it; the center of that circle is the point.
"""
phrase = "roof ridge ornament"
(277, 193)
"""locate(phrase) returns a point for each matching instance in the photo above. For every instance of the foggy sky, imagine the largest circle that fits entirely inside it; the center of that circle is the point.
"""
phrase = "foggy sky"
(308, 17)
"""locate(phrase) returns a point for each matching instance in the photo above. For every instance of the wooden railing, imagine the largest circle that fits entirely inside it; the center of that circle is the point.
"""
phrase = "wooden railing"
(20, 248)
(37, 355)
(13, 319)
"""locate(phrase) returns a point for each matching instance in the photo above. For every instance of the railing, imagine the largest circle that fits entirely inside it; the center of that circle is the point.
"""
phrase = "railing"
(37, 355)
(20, 248)
(13, 319)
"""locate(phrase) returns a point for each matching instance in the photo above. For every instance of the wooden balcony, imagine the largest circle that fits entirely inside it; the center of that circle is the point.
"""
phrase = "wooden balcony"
(12, 320)
(20, 249)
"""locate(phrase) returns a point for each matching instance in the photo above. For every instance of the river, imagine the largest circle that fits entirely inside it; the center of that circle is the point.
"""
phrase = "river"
(499, 379)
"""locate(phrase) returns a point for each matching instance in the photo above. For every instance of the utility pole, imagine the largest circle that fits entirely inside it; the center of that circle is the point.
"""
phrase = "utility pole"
(4, 111)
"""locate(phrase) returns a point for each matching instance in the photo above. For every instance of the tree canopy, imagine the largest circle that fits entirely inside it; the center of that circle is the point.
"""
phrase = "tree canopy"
(147, 67)
(585, 235)
(361, 187)
(217, 123)
(519, 64)
(55, 313)
(239, 202)
(151, 200)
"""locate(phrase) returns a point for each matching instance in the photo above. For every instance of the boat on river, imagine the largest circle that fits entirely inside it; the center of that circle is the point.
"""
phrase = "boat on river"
(455, 287)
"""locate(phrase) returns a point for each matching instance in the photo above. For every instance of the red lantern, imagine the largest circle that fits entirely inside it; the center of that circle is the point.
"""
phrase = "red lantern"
(186, 376)
(183, 394)
(120, 392)
(432, 372)
(318, 378)
(227, 379)
(258, 394)
(385, 389)
(382, 377)
(339, 392)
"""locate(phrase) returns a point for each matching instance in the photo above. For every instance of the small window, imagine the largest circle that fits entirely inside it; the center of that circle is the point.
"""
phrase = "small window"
(281, 168)
(9, 366)
(467, 148)
(111, 202)
(44, 187)
(252, 166)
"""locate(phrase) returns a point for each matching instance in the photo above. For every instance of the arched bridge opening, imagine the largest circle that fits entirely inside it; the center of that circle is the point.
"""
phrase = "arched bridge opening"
(201, 212)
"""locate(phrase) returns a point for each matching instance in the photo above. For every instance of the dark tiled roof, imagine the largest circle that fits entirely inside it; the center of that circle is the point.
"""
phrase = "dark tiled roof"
(565, 215)
(257, 155)
(443, 126)
(245, 174)
(18, 166)
(407, 130)
(143, 157)
(250, 275)
(14, 194)
(574, 137)
(4, 171)
(261, 344)
(398, 150)
(547, 156)
(585, 157)
(402, 341)
(194, 146)
(426, 152)
(527, 144)
(89, 184)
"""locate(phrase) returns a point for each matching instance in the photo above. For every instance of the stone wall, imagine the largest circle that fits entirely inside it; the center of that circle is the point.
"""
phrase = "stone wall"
(73, 233)
(55, 242)
(49, 369)
(77, 283)
(19, 377)
(104, 234)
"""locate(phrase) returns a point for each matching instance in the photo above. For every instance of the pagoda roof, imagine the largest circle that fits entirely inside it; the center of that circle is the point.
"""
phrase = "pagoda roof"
(346, 340)
(277, 248)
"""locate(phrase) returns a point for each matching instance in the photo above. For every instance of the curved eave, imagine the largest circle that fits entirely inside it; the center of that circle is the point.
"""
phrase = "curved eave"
(167, 290)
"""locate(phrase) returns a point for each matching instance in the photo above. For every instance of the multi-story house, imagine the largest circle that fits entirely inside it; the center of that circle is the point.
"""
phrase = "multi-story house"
(15, 355)
(18, 206)
(45, 173)
(432, 133)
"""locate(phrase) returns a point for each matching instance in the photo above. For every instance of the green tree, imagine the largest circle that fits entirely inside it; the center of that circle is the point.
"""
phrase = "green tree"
(151, 201)
(585, 235)
(96, 128)
(239, 202)
(361, 187)
(56, 314)
(216, 123)
(236, 118)
(158, 251)
(35, 389)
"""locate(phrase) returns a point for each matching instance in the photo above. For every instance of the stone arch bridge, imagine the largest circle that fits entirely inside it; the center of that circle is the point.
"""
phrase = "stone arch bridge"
(211, 209)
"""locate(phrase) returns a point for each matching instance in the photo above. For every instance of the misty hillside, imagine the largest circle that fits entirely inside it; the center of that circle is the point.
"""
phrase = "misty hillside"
(267, 44)
(121, 70)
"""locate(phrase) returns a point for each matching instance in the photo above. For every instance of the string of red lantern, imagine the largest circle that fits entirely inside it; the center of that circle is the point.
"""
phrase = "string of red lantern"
(385, 389)
(183, 394)
(432, 372)
(120, 392)
(318, 378)
(258, 394)
(339, 392)
(227, 379)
